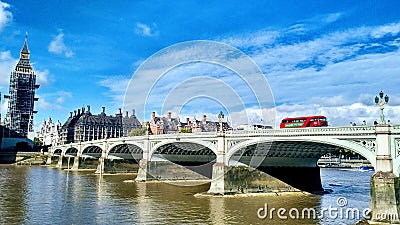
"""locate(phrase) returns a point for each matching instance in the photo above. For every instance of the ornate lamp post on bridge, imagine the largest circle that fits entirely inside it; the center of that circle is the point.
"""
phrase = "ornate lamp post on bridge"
(220, 118)
(382, 101)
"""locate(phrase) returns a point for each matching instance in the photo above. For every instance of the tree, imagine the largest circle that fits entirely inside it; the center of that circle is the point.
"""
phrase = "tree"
(186, 130)
(138, 132)
(37, 142)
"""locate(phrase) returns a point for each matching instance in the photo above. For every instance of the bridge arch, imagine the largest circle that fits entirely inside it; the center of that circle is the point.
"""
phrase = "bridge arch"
(351, 145)
(71, 151)
(92, 151)
(57, 152)
(188, 158)
(125, 151)
(203, 144)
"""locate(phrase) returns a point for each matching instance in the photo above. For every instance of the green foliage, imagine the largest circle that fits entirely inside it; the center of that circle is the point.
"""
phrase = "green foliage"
(37, 142)
(138, 132)
(186, 130)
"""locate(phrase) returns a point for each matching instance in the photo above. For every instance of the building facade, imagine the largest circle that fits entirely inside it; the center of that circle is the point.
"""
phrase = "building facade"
(168, 124)
(82, 125)
(164, 125)
(21, 98)
(50, 133)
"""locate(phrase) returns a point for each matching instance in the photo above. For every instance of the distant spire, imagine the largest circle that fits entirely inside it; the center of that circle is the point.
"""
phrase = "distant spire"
(25, 48)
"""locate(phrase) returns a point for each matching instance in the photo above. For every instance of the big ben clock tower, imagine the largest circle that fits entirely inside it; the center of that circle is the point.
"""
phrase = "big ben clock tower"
(22, 95)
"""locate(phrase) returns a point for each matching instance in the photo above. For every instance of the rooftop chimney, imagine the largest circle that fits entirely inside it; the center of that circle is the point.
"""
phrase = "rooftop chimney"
(187, 120)
(103, 109)
(74, 112)
(153, 115)
(169, 115)
(133, 112)
(70, 114)
(126, 114)
(204, 118)
(79, 112)
(88, 108)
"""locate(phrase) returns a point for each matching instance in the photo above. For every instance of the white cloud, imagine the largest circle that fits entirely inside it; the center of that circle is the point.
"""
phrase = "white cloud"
(264, 37)
(116, 86)
(313, 23)
(333, 74)
(5, 16)
(43, 104)
(7, 64)
(389, 29)
(146, 30)
(62, 96)
(4, 107)
(333, 17)
(52, 101)
(329, 101)
(57, 46)
(43, 77)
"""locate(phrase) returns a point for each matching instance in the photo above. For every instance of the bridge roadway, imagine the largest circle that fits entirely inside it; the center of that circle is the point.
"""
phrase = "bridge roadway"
(287, 158)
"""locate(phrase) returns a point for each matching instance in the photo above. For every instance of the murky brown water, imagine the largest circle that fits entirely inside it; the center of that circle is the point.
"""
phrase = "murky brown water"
(40, 195)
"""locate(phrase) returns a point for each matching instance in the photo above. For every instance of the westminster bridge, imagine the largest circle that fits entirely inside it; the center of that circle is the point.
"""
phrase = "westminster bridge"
(286, 159)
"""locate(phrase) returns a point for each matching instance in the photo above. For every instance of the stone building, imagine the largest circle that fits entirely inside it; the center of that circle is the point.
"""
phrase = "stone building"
(164, 125)
(205, 125)
(168, 124)
(82, 125)
(50, 133)
(130, 122)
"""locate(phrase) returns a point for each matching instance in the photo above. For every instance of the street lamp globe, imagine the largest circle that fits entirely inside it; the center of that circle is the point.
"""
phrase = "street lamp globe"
(381, 94)
(376, 99)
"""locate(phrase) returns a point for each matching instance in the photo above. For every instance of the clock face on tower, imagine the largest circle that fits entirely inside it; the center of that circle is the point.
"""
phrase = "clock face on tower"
(25, 56)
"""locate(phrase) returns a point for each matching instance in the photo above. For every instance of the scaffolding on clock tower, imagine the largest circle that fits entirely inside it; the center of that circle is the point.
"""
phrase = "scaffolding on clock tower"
(21, 98)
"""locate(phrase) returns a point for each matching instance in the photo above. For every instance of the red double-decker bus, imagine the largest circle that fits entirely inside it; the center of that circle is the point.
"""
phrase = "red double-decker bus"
(305, 121)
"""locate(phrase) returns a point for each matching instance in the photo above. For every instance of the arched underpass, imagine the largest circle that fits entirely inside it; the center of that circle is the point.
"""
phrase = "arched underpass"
(57, 152)
(93, 152)
(123, 158)
(66, 160)
(126, 151)
(89, 157)
(292, 162)
(192, 156)
(53, 160)
(71, 152)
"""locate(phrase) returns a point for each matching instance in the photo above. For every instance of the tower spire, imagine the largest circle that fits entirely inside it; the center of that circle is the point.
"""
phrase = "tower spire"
(25, 48)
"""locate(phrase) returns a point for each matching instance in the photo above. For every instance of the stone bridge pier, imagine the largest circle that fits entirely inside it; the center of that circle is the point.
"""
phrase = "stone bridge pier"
(75, 165)
(60, 160)
(103, 157)
(218, 171)
(142, 172)
(385, 185)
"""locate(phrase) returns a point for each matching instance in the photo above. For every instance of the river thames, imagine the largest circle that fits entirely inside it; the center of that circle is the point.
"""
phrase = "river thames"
(41, 195)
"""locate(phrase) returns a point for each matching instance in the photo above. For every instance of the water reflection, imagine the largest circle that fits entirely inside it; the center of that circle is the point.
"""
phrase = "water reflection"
(217, 210)
(143, 203)
(13, 194)
(39, 195)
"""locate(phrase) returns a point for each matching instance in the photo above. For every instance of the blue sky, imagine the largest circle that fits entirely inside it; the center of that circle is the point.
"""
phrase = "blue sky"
(319, 57)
